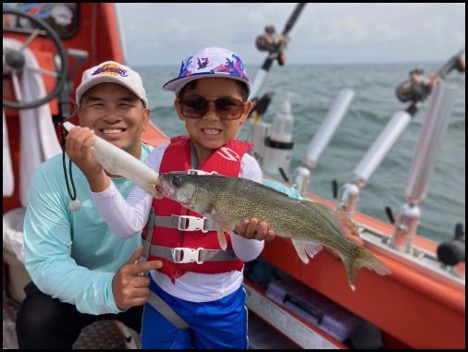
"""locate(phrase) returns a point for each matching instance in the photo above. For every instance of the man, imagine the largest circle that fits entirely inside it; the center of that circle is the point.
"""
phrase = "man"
(82, 272)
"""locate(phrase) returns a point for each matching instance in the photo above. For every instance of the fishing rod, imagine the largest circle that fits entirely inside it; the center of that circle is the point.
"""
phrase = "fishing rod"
(275, 45)
(417, 90)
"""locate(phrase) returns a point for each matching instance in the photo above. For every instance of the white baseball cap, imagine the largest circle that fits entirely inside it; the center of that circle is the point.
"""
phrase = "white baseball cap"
(111, 72)
(209, 62)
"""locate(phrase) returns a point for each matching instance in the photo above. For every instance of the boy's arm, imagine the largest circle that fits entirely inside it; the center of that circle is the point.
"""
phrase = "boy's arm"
(124, 218)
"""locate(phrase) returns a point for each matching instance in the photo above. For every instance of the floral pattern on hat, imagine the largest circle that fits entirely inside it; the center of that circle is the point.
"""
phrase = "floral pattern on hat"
(233, 67)
(209, 62)
(184, 71)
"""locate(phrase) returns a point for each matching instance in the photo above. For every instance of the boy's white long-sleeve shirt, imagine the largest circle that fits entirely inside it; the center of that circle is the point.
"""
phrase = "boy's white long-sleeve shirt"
(128, 217)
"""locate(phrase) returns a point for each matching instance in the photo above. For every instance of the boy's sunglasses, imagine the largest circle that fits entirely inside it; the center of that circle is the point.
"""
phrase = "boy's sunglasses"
(196, 106)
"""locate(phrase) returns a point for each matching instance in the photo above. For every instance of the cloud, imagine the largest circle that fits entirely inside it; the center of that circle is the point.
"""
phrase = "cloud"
(164, 33)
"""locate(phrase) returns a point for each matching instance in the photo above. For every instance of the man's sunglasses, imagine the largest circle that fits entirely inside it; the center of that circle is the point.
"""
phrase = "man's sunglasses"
(196, 106)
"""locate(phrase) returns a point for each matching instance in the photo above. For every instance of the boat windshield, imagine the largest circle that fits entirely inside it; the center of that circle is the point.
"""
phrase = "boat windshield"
(62, 17)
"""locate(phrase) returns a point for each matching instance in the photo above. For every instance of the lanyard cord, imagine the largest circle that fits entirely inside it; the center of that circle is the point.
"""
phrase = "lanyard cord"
(70, 193)
(74, 204)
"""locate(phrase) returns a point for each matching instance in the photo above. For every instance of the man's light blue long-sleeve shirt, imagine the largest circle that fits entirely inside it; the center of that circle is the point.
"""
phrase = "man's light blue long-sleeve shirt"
(73, 255)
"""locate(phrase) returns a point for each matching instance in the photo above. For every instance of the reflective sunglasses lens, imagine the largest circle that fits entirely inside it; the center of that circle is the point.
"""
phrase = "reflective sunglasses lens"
(194, 106)
(228, 108)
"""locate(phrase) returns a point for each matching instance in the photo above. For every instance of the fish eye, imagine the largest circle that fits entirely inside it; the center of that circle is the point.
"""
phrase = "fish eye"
(177, 181)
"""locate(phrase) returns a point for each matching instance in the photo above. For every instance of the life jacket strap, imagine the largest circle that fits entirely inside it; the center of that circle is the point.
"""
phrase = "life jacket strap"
(165, 310)
(185, 223)
(190, 255)
(146, 242)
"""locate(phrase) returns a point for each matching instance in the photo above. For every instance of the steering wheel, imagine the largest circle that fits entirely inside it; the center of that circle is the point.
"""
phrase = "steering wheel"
(14, 62)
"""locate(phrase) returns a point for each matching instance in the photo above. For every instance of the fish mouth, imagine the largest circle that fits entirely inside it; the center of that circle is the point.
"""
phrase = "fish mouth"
(164, 188)
(161, 189)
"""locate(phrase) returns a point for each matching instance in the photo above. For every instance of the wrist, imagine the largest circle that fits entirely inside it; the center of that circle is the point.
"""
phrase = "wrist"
(99, 182)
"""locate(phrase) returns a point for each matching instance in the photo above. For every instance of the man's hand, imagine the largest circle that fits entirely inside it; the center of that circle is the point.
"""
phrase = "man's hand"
(254, 229)
(78, 146)
(129, 286)
(349, 230)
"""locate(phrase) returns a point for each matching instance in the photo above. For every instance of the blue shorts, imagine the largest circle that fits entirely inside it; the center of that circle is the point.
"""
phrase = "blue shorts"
(220, 324)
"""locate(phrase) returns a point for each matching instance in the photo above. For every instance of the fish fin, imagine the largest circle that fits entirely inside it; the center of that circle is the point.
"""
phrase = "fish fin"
(222, 228)
(222, 239)
(304, 248)
(351, 271)
(363, 258)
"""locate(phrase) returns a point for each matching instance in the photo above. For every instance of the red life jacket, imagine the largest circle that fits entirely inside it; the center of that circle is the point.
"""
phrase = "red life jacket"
(168, 244)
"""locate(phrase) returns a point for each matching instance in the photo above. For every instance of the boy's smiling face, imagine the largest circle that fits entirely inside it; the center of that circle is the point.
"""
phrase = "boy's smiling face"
(210, 132)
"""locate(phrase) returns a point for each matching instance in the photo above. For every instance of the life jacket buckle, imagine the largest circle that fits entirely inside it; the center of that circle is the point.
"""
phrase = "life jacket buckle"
(182, 255)
(200, 172)
(191, 223)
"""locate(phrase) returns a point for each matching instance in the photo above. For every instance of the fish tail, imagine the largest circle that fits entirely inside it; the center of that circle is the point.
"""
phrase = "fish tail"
(363, 258)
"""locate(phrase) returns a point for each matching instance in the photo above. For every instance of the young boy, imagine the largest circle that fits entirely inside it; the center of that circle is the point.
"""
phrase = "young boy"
(201, 284)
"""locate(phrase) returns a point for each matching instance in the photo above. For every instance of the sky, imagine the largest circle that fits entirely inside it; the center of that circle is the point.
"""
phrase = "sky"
(165, 33)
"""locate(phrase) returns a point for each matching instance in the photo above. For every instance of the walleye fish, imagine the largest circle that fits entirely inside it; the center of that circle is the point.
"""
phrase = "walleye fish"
(309, 225)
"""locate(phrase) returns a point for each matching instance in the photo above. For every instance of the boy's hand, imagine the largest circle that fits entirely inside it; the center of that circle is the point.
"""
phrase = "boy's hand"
(254, 229)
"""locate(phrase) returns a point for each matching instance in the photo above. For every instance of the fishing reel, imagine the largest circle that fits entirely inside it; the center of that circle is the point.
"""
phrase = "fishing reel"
(260, 106)
(273, 42)
(415, 89)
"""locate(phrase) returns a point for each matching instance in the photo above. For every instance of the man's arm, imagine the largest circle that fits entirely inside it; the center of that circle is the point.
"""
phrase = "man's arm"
(48, 247)
(48, 252)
